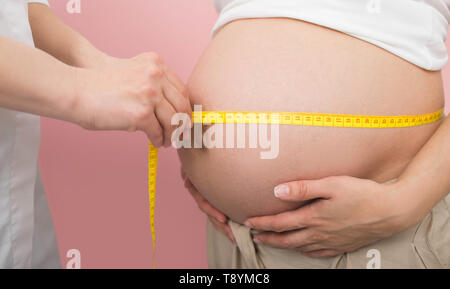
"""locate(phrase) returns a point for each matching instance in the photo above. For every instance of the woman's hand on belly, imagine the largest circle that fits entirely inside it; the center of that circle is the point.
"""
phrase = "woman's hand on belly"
(346, 214)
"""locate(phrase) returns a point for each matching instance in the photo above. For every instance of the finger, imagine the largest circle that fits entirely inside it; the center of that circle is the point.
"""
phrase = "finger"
(310, 248)
(164, 112)
(305, 190)
(153, 130)
(205, 206)
(286, 221)
(183, 174)
(187, 183)
(224, 229)
(178, 100)
(174, 79)
(325, 253)
(286, 240)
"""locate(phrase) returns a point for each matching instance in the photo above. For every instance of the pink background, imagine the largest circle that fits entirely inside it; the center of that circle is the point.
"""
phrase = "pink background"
(97, 181)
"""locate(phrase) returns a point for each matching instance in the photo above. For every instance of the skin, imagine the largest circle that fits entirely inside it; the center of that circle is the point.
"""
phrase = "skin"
(78, 83)
(358, 78)
(349, 213)
(346, 212)
(217, 218)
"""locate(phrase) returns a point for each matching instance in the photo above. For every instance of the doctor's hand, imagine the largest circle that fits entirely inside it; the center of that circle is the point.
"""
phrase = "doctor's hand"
(217, 219)
(141, 93)
(345, 214)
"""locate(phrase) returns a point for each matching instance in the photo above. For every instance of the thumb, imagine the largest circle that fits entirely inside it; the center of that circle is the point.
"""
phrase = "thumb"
(305, 190)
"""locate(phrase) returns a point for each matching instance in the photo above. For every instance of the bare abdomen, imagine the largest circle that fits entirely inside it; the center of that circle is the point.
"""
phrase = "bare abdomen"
(289, 65)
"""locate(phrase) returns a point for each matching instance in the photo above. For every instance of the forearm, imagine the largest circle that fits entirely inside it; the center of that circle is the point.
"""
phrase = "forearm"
(51, 35)
(427, 178)
(34, 82)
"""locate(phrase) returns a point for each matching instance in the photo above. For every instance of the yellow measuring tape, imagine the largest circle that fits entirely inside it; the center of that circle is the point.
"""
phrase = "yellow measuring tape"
(152, 165)
(286, 118)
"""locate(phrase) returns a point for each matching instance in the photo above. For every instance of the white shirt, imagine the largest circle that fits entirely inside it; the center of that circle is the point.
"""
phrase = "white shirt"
(22, 198)
(415, 30)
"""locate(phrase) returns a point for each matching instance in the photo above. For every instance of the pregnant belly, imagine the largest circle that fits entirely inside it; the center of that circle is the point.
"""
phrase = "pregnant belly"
(290, 65)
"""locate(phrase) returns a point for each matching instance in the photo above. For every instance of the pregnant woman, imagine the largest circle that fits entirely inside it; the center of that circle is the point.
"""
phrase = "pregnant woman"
(325, 56)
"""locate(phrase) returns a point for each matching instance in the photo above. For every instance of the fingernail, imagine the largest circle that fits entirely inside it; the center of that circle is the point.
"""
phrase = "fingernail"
(248, 224)
(281, 191)
(256, 240)
(221, 220)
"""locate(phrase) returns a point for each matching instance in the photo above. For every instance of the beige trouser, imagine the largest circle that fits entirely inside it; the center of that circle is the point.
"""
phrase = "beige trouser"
(426, 245)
